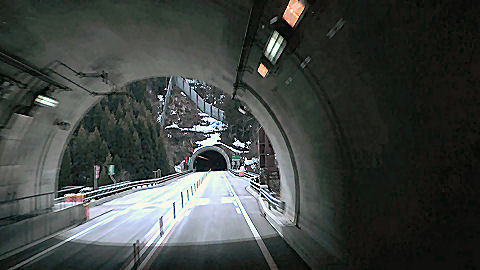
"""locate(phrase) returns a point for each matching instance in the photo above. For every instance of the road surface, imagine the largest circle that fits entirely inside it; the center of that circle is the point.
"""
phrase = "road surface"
(219, 227)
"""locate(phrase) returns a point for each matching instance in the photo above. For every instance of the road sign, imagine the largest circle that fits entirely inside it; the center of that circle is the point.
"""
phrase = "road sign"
(234, 157)
(111, 169)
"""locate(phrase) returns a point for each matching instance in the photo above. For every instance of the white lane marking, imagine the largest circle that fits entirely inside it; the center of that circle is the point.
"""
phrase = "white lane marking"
(258, 238)
(38, 255)
(154, 232)
(182, 213)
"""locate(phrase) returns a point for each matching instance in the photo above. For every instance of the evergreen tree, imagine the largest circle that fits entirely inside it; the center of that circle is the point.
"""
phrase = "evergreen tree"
(119, 131)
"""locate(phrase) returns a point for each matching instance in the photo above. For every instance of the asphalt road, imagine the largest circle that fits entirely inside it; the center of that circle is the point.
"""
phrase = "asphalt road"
(219, 227)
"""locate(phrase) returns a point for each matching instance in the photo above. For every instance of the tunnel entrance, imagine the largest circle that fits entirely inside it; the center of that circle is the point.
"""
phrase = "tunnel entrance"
(210, 160)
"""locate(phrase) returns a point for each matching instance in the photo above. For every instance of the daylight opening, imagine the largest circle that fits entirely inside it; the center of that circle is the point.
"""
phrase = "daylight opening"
(210, 160)
(157, 131)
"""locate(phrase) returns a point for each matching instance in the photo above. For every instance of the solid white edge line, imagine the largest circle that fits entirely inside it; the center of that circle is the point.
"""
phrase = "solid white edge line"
(266, 254)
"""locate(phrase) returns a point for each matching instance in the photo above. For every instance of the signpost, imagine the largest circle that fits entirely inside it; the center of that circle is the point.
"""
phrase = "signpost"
(157, 173)
(96, 170)
(235, 161)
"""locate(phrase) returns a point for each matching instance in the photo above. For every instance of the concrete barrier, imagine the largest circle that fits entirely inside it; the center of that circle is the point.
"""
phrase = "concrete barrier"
(29, 230)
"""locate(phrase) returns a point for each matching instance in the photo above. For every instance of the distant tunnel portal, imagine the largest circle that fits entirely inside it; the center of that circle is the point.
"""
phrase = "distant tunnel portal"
(210, 160)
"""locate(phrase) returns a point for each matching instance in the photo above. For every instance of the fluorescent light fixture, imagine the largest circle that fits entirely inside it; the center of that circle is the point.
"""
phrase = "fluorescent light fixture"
(46, 101)
(293, 12)
(262, 70)
(275, 47)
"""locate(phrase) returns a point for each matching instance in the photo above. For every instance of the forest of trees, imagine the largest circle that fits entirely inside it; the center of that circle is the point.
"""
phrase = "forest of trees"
(121, 131)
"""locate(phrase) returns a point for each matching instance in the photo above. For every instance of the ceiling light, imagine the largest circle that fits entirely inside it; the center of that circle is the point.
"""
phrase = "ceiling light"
(294, 11)
(275, 46)
(263, 70)
(46, 101)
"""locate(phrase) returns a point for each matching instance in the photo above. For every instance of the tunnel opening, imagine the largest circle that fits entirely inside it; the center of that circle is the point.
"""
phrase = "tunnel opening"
(210, 160)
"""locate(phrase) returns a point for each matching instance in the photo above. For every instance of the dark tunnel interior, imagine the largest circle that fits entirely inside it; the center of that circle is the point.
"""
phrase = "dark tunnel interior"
(210, 160)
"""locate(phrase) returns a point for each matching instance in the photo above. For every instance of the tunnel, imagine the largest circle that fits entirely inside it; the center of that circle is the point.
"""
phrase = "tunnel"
(372, 109)
(209, 158)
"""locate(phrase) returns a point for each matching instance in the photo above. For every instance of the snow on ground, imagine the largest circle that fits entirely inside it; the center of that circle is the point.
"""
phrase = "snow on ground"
(183, 94)
(211, 139)
(172, 126)
(173, 112)
(208, 125)
(160, 97)
(233, 149)
(190, 81)
(179, 167)
(238, 143)
(250, 161)
(212, 129)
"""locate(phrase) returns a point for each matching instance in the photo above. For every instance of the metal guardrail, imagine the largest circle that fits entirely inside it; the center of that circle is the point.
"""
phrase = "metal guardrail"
(69, 189)
(179, 207)
(55, 193)
(249, 174)
(120, 187)
(262, 190)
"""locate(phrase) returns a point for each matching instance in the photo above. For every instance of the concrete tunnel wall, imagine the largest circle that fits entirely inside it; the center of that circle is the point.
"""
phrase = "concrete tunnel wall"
(375, 142)
(210, 148)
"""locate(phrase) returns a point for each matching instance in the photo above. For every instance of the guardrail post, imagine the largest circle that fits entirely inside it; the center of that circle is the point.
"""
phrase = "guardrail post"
(136, 252)
(87, 211)
(174, 210)
(160, 222)
(181, 195)
(188, 197)
(191, 189)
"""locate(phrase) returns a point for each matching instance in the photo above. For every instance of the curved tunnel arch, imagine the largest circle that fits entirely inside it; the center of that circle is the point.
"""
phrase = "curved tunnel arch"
(343, 125)
(215, 149)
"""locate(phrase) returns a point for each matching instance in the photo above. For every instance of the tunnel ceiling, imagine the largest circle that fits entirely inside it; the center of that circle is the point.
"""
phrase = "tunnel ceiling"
(364, 121)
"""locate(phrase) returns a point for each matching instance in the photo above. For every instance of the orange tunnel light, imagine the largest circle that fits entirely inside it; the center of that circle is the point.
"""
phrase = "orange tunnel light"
(293, 12)
(263, 70)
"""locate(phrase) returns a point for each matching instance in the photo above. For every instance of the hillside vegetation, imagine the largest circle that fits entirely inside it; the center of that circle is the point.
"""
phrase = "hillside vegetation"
(119, 130)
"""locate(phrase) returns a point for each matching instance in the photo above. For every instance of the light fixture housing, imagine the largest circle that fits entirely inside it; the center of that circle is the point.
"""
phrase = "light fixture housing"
(294, 12)
(46, 101)
(262, 70)
(275, 45)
